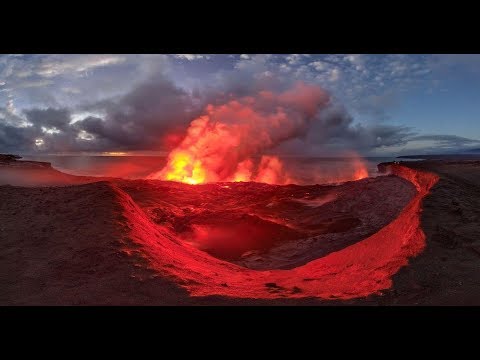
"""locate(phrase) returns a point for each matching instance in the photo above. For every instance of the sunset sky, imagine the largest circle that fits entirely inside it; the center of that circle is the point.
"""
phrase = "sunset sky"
(379, 104)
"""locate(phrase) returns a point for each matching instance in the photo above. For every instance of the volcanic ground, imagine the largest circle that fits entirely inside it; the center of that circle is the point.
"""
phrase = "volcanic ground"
(74, 240)
(262, 226)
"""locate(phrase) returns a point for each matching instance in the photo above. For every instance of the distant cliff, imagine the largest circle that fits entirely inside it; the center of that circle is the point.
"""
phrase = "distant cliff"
(11, 160)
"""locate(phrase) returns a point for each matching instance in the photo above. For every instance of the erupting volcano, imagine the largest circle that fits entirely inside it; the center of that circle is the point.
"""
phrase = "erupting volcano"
(255, 218)
(236, 179)
(229, 142)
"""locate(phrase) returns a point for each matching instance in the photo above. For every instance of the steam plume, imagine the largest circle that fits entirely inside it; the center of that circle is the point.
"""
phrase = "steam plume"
(223, 144)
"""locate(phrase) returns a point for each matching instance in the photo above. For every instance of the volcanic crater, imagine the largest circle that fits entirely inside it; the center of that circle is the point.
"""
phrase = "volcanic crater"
(262, 226)
(236, 240)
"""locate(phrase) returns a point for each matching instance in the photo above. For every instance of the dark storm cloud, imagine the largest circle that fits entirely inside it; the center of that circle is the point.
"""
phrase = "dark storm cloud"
(335, 127)
(137, 121)
(50, 125)
(140, 119)
(49, 130)
(49, 118)
(389, 135)
(92, 125)
(447, 140)
(15, 139)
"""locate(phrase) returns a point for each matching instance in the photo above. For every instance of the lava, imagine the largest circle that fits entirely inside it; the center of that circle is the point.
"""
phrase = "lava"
(358, 270)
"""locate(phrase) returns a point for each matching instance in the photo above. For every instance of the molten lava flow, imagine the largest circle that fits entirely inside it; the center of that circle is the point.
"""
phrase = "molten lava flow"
(225, 144)
(359, 270)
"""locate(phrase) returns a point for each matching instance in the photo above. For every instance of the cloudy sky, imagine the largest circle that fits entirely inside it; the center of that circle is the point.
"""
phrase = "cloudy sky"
(379, 104)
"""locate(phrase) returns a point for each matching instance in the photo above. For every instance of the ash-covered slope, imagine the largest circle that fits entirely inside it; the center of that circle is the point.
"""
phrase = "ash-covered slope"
(71, 246)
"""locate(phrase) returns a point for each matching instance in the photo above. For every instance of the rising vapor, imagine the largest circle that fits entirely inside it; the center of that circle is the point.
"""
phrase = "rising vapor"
(225, 142)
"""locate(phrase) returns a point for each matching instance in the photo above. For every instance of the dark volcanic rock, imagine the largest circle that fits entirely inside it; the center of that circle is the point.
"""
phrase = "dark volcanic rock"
(9, 160)
(9, 157)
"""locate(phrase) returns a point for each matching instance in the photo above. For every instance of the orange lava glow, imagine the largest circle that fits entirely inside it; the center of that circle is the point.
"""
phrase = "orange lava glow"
(228, 142)
(359, 270)
(360, 169)
(212, 152)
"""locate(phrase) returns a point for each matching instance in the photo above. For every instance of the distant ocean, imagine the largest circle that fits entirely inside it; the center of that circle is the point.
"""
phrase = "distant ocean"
(135, 167)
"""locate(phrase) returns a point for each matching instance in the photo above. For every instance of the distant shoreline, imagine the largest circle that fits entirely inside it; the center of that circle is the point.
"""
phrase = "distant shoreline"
(442, 157)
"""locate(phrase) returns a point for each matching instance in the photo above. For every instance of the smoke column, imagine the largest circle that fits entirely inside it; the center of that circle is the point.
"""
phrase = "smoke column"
(225, 143)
